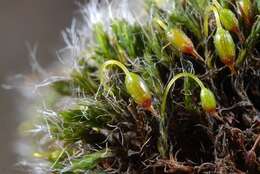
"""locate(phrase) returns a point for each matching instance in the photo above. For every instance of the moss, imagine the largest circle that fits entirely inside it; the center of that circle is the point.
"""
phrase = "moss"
(104, 130)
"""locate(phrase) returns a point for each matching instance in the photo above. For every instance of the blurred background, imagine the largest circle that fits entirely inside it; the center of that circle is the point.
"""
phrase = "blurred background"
(21, 21)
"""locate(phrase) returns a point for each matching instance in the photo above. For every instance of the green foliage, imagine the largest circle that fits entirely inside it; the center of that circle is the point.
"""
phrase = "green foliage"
(105, 48)
(200, 5)
(78, 122)
(89, 161)
(258, 6)
(129, 38)
(187, 20)
(225, 3)
(188, 94)
(63, 87)
(251, 41)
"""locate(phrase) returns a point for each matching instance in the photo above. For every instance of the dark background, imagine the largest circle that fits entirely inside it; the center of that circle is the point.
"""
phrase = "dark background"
(21, 21)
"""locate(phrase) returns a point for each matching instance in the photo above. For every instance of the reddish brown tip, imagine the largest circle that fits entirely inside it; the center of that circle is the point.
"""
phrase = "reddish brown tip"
(188, 49)
(147, 104)
(191, 51)
(230, 63)
(211, 111)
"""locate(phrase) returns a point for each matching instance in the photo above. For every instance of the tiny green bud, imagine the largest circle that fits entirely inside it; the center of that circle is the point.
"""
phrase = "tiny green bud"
(138, 90)
(208, 101)
(245, 8)
(182, 42)
(225, 48)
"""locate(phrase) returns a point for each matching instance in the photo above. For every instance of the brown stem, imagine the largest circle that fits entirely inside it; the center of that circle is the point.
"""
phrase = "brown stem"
(196, 55)
(257, 141)
(232, 69)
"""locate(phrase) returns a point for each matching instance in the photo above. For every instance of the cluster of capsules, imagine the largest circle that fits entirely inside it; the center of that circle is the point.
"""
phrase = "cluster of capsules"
(226, 22)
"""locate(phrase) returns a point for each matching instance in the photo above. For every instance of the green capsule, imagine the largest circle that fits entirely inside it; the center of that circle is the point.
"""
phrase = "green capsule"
(246, 10)
(182, 43)
(228, 20)
(138, 90)
(134, 84)
(208, 101)
(225, 48)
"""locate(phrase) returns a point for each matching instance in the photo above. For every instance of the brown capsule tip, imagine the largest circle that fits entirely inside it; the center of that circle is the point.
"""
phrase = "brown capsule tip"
(235, 29)
(211, 111)
(191, 51)
(188, 49)
(230, 62)
(147, 104)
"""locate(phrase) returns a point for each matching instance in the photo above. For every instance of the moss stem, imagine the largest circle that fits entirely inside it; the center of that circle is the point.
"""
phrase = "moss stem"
(210, 9)
(108, 63)
(163, 141)
(168, 87)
